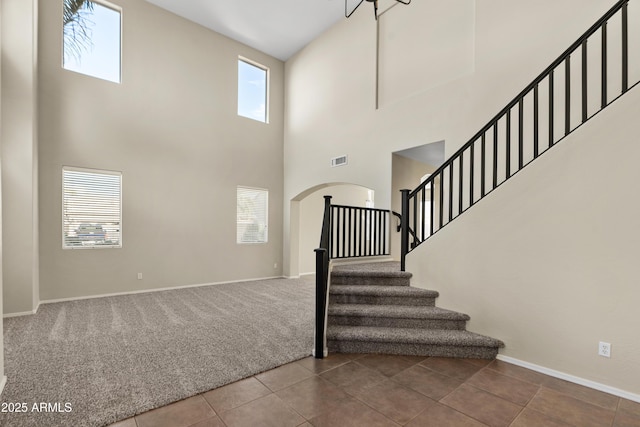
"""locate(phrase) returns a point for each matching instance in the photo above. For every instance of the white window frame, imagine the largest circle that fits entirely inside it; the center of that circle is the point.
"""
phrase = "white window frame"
(115, 8)
(266, 90)
(266, 216)
(96, 172)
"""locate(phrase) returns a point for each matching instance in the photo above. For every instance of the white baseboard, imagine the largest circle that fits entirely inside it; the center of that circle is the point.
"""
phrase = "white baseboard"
(308, 274)
(141, 291)
(3, 382)
(22, 313)
(571, 378)
(146, 291)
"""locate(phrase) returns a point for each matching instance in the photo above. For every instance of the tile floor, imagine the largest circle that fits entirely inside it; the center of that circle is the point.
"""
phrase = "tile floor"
(377, 390)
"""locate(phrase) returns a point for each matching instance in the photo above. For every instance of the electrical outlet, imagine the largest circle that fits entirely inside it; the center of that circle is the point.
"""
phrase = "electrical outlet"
(139, 276)
(275, 265)
(604, 349)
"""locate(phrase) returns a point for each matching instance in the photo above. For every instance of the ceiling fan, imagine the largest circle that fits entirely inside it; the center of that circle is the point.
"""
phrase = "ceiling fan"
(375, 7)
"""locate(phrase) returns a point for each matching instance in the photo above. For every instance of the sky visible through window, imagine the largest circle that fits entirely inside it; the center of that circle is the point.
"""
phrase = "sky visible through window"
(252, 91)
(99, 55)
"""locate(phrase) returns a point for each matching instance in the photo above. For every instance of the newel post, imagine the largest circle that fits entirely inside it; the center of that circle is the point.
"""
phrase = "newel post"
(321, 299)
(404, 228)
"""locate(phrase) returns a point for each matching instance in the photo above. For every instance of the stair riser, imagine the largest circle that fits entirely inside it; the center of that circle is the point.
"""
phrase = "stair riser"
(370, 281)
(388, 322)
(412, 349)
(379, 300)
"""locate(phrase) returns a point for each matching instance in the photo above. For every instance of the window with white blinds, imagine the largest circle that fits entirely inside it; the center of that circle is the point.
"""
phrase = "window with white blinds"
(252, 220)
(91, 208)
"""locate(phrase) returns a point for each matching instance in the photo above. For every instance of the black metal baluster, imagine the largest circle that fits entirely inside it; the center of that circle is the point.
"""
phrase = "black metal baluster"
(472, 161)
(422, 213)
(433, 184)
(344, 232)
(551, 110)
(584, 81)
(374, 232)
(441, 213)
(415, 220)
(365, 218)
(379, 232)
(369, 228)
(495, 155)
(360, 233)
(356, 232)
(483, 155)
(450, 191)
(349, 233)
(372, 235)
(508, 146)
(567, 95)
(520, 133)
(536, 129)
(625, 47)
(460, 183)
(383, 226)
(379, 237)
(354, 237)
(603, 102)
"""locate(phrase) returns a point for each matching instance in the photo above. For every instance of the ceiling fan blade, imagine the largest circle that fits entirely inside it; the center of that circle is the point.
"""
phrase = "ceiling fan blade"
(404, 1)
(347, 14)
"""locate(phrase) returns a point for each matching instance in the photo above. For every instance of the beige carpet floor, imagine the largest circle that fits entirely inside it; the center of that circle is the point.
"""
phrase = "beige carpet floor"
(110, 358)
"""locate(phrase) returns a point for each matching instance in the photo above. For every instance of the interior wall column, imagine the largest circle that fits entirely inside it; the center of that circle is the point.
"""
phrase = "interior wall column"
(19, 156)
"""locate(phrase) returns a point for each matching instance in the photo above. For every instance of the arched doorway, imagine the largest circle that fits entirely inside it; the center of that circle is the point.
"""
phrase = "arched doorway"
(306, 220)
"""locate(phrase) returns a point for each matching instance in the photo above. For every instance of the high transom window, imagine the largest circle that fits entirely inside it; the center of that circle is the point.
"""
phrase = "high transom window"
(91, 32)
(253, 93)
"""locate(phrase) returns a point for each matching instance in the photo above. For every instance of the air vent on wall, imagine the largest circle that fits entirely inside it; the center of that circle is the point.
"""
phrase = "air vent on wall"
(338, 161)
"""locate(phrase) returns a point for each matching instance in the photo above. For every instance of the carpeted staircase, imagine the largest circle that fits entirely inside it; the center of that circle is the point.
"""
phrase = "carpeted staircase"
(373, 309)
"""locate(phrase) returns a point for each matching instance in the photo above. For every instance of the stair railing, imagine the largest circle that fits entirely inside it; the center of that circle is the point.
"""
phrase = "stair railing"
(347, 232)
(540, 116)
(322, 282)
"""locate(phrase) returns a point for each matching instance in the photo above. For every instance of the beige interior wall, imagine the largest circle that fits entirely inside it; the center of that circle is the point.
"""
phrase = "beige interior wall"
(311, 212)
(406, 174)
(19, 156)
(548, 262)
(409, 65)
(171, 128)
(331, 85)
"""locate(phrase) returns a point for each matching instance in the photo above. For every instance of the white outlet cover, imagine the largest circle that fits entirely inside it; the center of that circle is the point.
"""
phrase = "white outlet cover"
(604, 349)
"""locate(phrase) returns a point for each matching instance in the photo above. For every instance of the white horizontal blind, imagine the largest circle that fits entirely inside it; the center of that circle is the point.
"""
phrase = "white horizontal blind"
(91, 208)
(252, 220)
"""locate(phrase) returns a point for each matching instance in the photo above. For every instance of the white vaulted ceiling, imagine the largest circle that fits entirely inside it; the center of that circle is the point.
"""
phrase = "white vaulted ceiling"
(279, 28)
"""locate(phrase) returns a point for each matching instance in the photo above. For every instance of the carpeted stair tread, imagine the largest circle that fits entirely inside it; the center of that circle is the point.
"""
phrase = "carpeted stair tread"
(384, 291)
(411, 336)
(395, 311)
(374, 309)
(389, 269)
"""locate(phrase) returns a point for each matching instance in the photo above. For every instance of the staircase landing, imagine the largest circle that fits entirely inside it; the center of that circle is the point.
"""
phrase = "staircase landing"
(374, 309)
